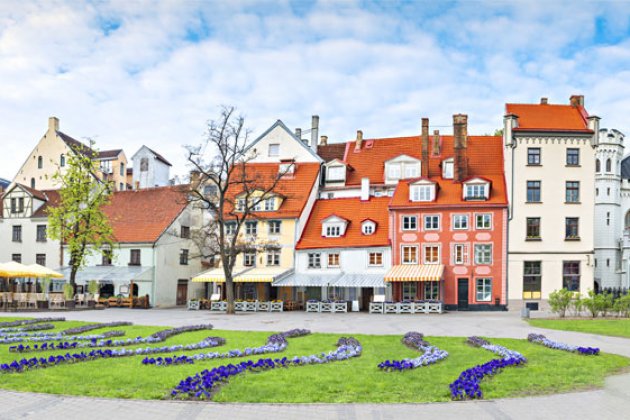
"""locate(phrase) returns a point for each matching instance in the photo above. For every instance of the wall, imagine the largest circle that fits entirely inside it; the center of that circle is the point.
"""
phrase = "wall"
(157, 174)
(290, 148)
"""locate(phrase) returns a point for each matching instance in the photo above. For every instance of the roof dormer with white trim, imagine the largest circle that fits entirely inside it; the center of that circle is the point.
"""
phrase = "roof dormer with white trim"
(422, 190)
(334, 226)
(368, 227)
(401, 167)
(336, 171)
(476, 189)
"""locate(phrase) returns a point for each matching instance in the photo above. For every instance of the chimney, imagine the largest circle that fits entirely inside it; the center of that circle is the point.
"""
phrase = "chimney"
(365, 189)
(544, 101)
(436, 143)
(195, 177)
(593, 124)
(298, 133)
(323, 140)
(53, 124)
(359, 141)
(577, 100)
(510, 121)
(425, 147)
(314, 132)
(460, 131)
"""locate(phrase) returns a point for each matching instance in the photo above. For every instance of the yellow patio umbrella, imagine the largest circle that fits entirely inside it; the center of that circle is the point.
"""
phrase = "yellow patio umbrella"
(41, 271)
(15, 269)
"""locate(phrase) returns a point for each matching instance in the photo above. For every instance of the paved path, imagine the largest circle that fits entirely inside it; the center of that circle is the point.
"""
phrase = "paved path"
(611, 402)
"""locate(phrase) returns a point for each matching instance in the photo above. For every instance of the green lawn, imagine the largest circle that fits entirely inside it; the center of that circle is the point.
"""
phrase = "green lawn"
(355, 380)
(612, 327)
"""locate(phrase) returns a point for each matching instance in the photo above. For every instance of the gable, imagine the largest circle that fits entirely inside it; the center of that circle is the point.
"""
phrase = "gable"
(278, 143)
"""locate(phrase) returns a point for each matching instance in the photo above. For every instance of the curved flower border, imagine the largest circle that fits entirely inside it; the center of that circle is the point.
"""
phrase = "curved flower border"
(415, 340)
(467, 386)
(39, 337)
(202, 385)
(275, 343)
(541, 339)
(35, 327)
(91, 327)
(29, 322)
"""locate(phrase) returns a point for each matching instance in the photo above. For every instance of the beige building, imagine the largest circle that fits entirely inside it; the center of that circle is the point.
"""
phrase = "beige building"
(550, 175)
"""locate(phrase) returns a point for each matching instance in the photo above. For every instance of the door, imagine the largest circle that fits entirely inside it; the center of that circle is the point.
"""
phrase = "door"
(462, 294)
(182, 292)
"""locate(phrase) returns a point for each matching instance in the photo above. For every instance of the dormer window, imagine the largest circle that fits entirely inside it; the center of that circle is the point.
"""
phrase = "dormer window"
(240, 204)
(368, 227)
(333, 231)
(424, 192)
(476, 191)
(336, 173)
(447, 169)
(401, 167)
(286, 169)
(334, 226)
(393, 172)
(412, 170)
(270, 204)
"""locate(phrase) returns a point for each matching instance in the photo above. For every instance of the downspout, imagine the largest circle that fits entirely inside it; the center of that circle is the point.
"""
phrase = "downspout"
(154, 286)
(507, 235)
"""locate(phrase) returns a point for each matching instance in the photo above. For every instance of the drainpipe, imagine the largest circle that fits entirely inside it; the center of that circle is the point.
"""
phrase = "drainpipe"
(154, 286)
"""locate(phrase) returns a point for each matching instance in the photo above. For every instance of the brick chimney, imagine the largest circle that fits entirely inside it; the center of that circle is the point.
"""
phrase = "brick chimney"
(314, 132)
(323, 140)
(359, 141)
(53, 124)
(460, 134)
(544, 101)
(436, 143)
(577, 100)
(425, 147)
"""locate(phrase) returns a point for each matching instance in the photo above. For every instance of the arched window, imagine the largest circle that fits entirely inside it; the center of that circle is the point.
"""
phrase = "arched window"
(608, 165)
(62, 160)
(598, 165)
(627, 220)
(33, 183)
(40, 162)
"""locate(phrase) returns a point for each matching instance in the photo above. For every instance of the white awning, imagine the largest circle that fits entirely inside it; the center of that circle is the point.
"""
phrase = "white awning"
(110, 274)
(307, 280)
(360, 280)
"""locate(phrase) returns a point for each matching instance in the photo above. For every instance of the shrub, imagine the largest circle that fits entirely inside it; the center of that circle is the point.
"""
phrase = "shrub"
(559, 300)
(68, 291)
(590, 303)
(622, 306)
(605, 302)
(93, 287)
(577, 305)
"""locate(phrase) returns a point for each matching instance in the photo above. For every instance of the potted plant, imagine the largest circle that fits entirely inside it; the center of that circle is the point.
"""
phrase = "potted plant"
(93, 289)
(43, 304)
(68, 294)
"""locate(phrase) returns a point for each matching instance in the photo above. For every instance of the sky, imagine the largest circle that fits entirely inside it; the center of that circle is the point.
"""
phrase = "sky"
(128, 73)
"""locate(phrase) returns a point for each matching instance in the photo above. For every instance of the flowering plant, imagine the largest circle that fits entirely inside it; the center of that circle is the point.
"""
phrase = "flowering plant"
(204, 384)
(29, 322)
(85, 328)
(415, 340)
(275, 343)
(26, 328)
(22, 337)
(541, 339)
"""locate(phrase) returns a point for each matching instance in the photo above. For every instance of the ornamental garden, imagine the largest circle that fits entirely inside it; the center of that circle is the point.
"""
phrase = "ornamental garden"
(199, 362)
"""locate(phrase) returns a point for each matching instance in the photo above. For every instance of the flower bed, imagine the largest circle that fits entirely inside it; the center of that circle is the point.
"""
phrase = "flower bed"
(467, 386)
(541, 339)
(29, 322)
(20, 366)
(26, 328)
(205, 383)
(275, 343)
(38, 337)
(86, 328)
(415, 340)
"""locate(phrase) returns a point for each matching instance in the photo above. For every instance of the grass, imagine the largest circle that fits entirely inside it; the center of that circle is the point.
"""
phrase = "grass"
(356, 380)
(611, 327)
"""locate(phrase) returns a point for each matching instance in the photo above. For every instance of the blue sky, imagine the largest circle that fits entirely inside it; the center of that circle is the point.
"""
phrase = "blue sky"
(128, 73)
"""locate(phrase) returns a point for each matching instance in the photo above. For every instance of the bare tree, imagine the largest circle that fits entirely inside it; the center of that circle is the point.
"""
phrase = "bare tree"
(229, 192)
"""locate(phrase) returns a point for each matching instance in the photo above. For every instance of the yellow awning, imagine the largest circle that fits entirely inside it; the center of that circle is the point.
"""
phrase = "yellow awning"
(15, 269)
(415, 272)
(249, 275)
(41, 271)
(214, 275)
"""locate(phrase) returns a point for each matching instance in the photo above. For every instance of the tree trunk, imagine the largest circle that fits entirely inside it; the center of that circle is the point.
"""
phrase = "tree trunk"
(229, 293)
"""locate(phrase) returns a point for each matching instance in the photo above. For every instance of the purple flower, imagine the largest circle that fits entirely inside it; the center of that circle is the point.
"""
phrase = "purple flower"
(415, 340)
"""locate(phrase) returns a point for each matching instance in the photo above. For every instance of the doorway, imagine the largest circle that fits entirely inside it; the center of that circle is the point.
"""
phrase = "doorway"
(182, 292)
(462, 294)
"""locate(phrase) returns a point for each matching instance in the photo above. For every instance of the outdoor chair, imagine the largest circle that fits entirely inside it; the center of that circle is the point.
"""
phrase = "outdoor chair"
(57, 301)
(32, 301)
(6, 300)
(22, 300)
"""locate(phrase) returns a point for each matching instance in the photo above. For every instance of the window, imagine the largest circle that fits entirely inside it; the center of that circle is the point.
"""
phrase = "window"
(431, 254)
(431, 222)
(421, 193)
(249, 258)
(270, 204)
(16, 257)
(286, 169)
(20, 205)
(17, 233)
(376, 259)
(571, 228)
(41, 233)
(121, 186)
(483, 221)
(410, 222)
(274, 227)
(484, 290)
(607, 218)
(475, 191)
(409, 290)
(431, 290)
(62, 160)
(251, 228)
(258, 204)
(533, 155)
(598, 165)
(274, 150)
(447, 169)
(336, 173)
(333, 259)
(230, 228)
(314, 260)
(533, 191)
(144, 164)
(209, 190)
(185, 232)
(134, 257)
(33, 183)
(571, 275)
(573, 157)
(412, 170)
(273, 257)
(532, 279)
(572, 192)
(410, 254)
(483, 253)
(460, 254)
(533, 228)
(460, 221)
(13, 205)
(240, 204)
(393, 171)
(183, 257)
(367, 228)
(40, 259)
(106, 257)
(333, 231)
(40, 162)
(608, 165)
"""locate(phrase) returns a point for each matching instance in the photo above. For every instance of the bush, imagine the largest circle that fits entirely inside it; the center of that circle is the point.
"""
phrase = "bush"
(93, 287)
(605, 302)
(577, 305)
(68, 291)
(559, 300)
(590, 303)
(622, 306)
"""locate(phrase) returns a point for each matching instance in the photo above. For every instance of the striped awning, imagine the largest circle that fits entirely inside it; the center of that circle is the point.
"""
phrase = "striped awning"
(415, 272)
(249, 275)
(360, 280)
(307, 280)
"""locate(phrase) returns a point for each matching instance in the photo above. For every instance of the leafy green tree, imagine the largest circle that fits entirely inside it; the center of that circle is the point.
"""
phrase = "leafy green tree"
(622, 306)
(559, 300)
(79, 221)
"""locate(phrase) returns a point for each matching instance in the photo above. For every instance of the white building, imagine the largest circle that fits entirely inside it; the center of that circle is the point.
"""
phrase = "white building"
(150, 169)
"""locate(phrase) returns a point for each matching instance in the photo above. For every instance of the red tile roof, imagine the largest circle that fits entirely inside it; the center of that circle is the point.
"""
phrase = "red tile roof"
(546, 117)
(354, 210)
(52, 201)
(294, 188)
(143, 215)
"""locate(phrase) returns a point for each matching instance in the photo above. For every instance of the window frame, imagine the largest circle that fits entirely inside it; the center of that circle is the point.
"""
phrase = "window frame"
(275, 227)
(183, 256)
(433, 258)
(534, 156)
(460, 217)
(464, 254)
(333, 256)
(314, 260)
(571, 281)
(483, 226)
(273, 150)
(273, 257)
(414, 254)
(532, 281)
(569, 156)
(486, 295)
(251, 228)
(249, 258)
(409, 219)
(528, 226)
(431, 218)
(375, 259)
(482, 257)
(572, 191)
(135, 257)
(535, 189)
(571, 223)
